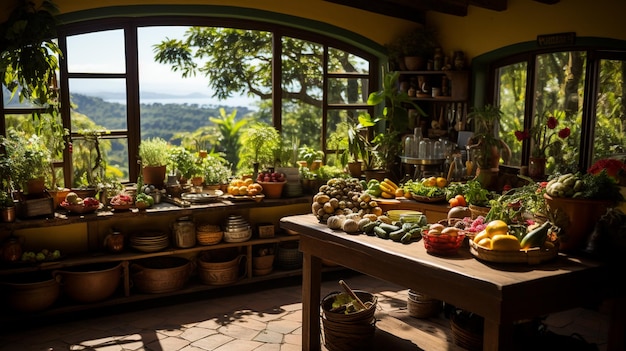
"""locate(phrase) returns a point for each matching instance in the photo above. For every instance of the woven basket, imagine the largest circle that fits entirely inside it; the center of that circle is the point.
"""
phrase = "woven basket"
(479, 211)
(354, 331)
(422, 306)
(209, 234)
(472, 340)
(157, 275)
(289, 256)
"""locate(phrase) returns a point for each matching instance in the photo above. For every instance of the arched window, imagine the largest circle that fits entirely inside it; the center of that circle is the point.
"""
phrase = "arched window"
(564, 103)
(126, 79)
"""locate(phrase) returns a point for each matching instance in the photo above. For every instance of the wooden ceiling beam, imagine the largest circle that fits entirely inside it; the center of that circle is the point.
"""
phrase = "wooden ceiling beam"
(495, 5)
(402, 9)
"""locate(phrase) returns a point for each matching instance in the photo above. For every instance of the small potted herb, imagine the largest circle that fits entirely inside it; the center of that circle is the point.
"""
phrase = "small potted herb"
(154, 155)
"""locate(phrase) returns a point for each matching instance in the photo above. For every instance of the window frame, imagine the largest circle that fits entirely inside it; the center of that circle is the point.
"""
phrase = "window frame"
(374, 54)
(486, 82)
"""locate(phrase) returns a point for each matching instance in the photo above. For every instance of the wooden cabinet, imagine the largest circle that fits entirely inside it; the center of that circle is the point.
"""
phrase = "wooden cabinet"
(81, 241)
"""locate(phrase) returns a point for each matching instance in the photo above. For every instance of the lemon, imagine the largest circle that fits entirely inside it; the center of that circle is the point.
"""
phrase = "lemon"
(441, 182)
(505, 242)
(485, 242)
(496, 227)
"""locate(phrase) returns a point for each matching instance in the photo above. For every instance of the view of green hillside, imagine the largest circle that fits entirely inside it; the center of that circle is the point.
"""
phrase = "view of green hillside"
(157, 120)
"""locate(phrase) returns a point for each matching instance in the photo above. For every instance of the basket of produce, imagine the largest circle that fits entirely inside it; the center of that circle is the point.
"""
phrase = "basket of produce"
(444, 241)
(497, 244)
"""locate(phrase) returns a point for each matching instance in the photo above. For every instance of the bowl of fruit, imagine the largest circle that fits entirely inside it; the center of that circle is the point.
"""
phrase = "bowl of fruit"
(74, 204)
(441, 240)
(272, 183)
(121, 202)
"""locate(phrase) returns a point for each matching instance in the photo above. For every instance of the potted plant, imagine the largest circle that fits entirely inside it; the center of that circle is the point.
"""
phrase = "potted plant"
(311, 156)
(258, 145)
(417, 46)
(7, 206)
(28, 161)
(183, 163)
(215, 170)
(385, 146)
(485, 147)
(154, 155)
(357, 145)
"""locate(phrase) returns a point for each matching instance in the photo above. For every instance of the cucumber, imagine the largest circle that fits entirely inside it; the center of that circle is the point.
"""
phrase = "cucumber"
(406, 238)
(381, 233)
(388, 227)
(397, 235)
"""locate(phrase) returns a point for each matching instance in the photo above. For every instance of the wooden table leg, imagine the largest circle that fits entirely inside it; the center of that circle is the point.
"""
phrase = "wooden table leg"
(311, 280)
(497, 337)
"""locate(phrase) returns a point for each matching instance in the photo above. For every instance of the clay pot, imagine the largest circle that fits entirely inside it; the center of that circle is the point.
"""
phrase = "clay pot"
(30, 292)
(90, 283)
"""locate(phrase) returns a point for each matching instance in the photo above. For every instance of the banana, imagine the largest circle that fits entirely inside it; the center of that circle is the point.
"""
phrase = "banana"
(386, 188)
(387, 195)
(389, 182)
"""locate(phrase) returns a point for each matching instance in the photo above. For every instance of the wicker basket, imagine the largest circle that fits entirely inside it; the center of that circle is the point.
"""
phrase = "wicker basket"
(209, 234)
(478, 211)
(463, 336)
(354, 331)
(155, 275)
(289, 256)
(422, 306)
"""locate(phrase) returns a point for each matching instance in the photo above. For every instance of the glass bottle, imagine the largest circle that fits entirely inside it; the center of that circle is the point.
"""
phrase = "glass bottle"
(424, 149)
(458, 171)
(437, 150)
(409, 146)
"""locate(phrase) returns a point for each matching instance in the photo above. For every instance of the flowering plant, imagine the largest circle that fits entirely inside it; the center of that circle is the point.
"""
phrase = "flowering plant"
(614, 168)
(543, 133)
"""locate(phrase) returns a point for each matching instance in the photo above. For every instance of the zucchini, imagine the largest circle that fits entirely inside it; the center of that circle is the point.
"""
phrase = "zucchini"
(536, 237)
(406, 238)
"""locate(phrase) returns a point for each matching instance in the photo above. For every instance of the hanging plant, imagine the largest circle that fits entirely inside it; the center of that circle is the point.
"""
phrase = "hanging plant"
(29, 57)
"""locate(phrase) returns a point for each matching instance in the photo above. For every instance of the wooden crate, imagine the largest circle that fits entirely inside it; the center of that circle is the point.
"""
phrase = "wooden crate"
(29, 206)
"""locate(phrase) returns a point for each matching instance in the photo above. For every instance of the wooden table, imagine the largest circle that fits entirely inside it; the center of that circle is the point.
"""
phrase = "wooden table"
(501, 293)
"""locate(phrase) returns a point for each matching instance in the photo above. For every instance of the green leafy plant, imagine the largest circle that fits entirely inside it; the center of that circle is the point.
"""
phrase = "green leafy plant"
(310, 155)
(393, 121)
(485, 146)
(25, 157)
(154, 152)
(6, 200)
(215, 170)
(258, 145)
(183, 162)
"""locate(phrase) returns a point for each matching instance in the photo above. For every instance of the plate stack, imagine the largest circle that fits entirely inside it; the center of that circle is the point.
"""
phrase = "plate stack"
(149, 241)
(237, 229)
(293, 187)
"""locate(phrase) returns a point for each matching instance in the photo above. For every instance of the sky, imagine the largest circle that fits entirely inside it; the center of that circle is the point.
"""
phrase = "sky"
(104, 52)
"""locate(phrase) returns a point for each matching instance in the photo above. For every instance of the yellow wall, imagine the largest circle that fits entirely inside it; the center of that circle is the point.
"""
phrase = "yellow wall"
(479, 32)
(484, 30)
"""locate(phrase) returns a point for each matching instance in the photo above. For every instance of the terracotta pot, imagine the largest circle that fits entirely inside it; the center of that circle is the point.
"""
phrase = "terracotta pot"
(414, 63)
(355, 169)
(154, 175)
(576, 218)
(272, 190)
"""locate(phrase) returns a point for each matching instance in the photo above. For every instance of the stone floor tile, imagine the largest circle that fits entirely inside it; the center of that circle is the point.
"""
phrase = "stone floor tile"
(169, 343)
(240, 345)
(238, 332)
(212, 342)
(283, 326)
(269, 336)
(196, 333)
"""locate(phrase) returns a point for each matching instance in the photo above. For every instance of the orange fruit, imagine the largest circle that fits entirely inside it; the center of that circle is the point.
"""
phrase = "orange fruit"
(399, 192)
(496, 227)
(454, 202)
(461, 200)
(248, 181)
(441, 182)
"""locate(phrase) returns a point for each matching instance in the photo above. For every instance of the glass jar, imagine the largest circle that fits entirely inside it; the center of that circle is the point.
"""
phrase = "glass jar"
(184, 232)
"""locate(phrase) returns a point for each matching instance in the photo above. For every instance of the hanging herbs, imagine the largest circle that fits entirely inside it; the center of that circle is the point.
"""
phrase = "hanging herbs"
(29, 57)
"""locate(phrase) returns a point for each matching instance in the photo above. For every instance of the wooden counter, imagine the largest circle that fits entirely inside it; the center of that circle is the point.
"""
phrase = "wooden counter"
(501, 293)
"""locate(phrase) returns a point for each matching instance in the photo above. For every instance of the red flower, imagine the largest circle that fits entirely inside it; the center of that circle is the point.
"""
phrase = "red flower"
(552, 122)
(564, 133)
(522, 135)
(612, 166)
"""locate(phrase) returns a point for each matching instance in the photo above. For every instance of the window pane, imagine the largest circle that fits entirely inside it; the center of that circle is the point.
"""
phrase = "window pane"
(92, 167)
(98, 52)
(101, 100)
(609, 140)
(302, 85)
(342, 62)
(511, 92)
(347, 90)
(559, 93)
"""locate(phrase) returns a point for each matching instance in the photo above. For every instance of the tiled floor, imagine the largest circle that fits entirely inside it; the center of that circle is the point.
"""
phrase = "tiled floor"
(260, 318)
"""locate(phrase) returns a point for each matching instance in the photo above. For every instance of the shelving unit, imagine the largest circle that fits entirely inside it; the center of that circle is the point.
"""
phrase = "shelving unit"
(98, 225)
